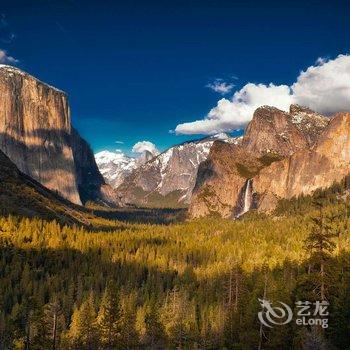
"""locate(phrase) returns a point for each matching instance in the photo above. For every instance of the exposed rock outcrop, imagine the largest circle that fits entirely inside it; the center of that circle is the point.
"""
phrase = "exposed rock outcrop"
(284, 155)
(91, 184)
(308, 170)
(36, 134)
(221, 179)
(35, 131)
(274, 131)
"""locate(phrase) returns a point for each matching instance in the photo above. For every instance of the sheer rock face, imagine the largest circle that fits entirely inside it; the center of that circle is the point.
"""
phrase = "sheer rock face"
(285, 155)
(220, 180)
(274, 131)
(21, 195)
(305, 171)
(36, 133)
(91, 185)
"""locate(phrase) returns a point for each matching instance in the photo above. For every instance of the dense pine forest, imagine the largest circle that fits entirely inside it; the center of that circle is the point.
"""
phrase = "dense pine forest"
(185, 285)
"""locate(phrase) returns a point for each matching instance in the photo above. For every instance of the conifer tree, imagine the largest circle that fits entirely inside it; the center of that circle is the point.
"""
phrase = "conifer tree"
(108, 318)
(129, 336)
(154, 330)
(320, 245)
(83, 332)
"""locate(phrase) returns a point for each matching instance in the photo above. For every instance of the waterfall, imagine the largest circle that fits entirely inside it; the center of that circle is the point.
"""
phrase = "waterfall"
(246, 198)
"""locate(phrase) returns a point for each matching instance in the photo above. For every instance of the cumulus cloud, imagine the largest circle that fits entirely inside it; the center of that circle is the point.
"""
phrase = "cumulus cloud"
(220, 86)
(232, 114)
(7, 59)
(142, 146)
(324, 87)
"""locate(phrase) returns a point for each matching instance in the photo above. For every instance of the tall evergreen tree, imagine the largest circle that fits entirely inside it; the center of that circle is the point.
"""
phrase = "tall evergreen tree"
(109, 318)
(320, 245)
(83, 331)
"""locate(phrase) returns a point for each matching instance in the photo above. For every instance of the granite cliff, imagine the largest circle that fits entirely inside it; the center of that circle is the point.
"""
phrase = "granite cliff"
(307, 170)
(37, 135)
(284, 155)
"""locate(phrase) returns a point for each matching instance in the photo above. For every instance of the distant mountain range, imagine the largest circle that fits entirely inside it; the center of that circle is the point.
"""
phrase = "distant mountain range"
(160, 180)
(116, 166)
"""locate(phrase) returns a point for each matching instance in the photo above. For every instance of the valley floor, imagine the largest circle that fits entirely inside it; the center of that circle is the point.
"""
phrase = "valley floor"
(183, 285)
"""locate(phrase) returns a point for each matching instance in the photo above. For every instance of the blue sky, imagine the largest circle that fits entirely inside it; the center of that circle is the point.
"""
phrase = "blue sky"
(136, 69)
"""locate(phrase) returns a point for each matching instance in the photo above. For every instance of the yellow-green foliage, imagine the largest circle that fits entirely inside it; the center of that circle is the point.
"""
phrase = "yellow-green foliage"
(175, 281)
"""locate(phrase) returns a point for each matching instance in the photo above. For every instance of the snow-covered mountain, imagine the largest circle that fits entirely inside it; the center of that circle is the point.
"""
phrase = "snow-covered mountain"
(115, 166)
(168, 179)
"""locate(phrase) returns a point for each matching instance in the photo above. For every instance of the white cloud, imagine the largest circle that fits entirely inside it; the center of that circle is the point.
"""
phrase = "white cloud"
(142, 146)
(220, 86)
(324, 87)
(6, 59)
(232, 114)
(119, 142)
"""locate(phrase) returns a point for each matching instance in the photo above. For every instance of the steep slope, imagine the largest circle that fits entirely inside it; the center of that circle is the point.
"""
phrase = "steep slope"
(21, 195)
(308, 170)
(220, 180)
(272, 138)
(35, 131)
(91, 184)
(272, 130)
(168, 179)
(36, 134)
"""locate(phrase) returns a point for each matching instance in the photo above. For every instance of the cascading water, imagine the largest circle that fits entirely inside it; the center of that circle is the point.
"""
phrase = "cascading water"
(246, 198)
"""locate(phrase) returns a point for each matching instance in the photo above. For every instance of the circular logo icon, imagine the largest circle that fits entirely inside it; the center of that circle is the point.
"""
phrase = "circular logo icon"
(271, 316)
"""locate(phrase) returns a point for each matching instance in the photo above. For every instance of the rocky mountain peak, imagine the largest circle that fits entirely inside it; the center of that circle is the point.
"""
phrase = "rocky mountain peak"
(145, 157)
(272, 131)
(7, 71)
(310, 123)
